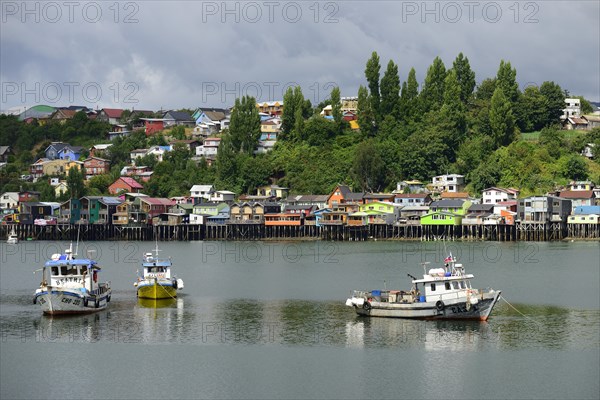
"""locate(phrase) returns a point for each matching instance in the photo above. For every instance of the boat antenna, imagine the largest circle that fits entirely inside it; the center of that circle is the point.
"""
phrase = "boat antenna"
(77, 244)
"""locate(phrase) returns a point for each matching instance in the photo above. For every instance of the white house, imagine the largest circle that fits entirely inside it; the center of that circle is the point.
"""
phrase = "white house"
(572, 108)
(588, 150)
(9, 200)
(137, 153)
(222, 195)
(494, 195)
(159, 151)
(199, 192)
(452, 183)
(209, 149)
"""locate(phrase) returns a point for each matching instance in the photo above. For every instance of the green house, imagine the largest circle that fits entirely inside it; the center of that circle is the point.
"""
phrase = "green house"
(377, 207)
(211, 209)
(446, 212)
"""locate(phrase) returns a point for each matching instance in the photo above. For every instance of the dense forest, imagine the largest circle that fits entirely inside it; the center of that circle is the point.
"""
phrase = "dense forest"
(491, 132)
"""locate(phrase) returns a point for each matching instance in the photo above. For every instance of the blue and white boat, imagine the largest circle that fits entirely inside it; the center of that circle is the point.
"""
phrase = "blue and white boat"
(70, 286)
(447, 294)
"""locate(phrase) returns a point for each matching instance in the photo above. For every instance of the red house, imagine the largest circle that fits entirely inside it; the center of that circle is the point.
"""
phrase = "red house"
(153, 125)
(125, 184)
(28, 196)
(95, 166)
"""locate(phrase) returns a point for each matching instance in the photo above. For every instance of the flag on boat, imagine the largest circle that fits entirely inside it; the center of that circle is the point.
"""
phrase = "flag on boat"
(449, 258)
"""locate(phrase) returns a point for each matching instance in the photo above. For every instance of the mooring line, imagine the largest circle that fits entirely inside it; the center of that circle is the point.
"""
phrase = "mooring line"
(523, 315)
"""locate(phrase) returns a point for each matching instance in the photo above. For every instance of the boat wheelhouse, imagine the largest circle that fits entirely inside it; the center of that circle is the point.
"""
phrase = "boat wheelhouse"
(156, 281)
(70, 286)
(443, 293)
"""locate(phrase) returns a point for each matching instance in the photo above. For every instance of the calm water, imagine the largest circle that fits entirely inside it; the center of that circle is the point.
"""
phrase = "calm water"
(267, 320)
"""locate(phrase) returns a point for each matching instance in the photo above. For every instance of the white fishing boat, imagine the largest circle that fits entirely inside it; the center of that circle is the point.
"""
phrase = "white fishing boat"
(12, 237)
(70, 286)
(156, 281)
(446, 293)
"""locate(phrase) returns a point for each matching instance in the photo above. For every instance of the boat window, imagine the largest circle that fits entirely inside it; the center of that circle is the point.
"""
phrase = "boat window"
(54, 270)
(63, 270)
(447, 285)
(462, 285)
(433, 287)
(455, 285)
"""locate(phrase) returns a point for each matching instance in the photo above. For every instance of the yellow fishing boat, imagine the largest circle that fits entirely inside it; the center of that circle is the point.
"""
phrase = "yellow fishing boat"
(156, 281)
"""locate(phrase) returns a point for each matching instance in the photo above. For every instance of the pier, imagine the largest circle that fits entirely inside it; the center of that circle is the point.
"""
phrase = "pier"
(549, 231)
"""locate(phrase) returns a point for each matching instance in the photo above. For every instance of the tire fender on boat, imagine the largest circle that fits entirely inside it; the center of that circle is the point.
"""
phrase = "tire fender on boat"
(34, 299)
(440, 305)
(85, 301)
(97, 303)
(367, 305)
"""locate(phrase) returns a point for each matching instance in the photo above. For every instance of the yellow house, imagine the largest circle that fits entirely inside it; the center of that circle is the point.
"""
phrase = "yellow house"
(271, 107)
(61, 188)
(53, 167)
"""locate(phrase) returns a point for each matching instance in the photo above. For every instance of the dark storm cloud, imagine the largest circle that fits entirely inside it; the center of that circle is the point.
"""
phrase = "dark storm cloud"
(186, 54)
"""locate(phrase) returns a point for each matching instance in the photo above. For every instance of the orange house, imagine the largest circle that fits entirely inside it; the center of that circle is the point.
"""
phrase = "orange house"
(342, 194)
(285, 219)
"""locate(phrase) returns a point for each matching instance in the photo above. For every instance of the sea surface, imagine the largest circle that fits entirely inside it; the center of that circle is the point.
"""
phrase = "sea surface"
(267, 320)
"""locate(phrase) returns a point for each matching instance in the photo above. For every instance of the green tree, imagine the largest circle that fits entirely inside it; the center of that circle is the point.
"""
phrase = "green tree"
(75, 183)
(365, 113)
(533, 105)
(485, 90)
(502, 121)
(372, 74)
(368, 168)
(506, 79)
(336, 106)
(178, 132)
(465, 77)
(586, 106)
(432, 95)
(244, 127)
(574, 167)
(409, 107)
(390, 91)
(555, 101)
(453, 121)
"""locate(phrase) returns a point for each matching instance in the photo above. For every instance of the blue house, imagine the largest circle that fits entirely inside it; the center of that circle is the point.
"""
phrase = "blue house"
(70, 152)
(53, 150)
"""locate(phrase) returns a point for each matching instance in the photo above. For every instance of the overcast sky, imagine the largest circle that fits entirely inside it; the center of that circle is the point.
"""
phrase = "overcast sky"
(174, 54)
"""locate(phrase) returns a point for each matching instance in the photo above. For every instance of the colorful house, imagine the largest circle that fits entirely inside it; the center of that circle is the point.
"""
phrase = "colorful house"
(95, 166)
(342, 194)
(125, 184)
(154, 206)
(579, 198)
(541, 209)
(412, 199)
(589, 215)
(446, 212)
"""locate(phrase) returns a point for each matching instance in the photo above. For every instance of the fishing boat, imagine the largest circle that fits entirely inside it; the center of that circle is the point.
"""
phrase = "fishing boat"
(12, 237)
(70, 286)
(446, 293)
(156, 281)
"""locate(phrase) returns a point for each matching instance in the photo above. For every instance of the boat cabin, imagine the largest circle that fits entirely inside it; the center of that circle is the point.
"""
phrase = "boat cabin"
(66, 272)
(156, 267)
(447, 283)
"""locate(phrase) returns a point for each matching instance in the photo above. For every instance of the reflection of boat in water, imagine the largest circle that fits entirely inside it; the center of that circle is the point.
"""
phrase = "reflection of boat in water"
(12, 237)
(157, 303)
(156, 281)
(70, 286)
(447, 295)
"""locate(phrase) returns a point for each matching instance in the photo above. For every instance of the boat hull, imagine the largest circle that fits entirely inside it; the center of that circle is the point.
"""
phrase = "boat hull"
(156, 290)
(428, 310)
(58, 302)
